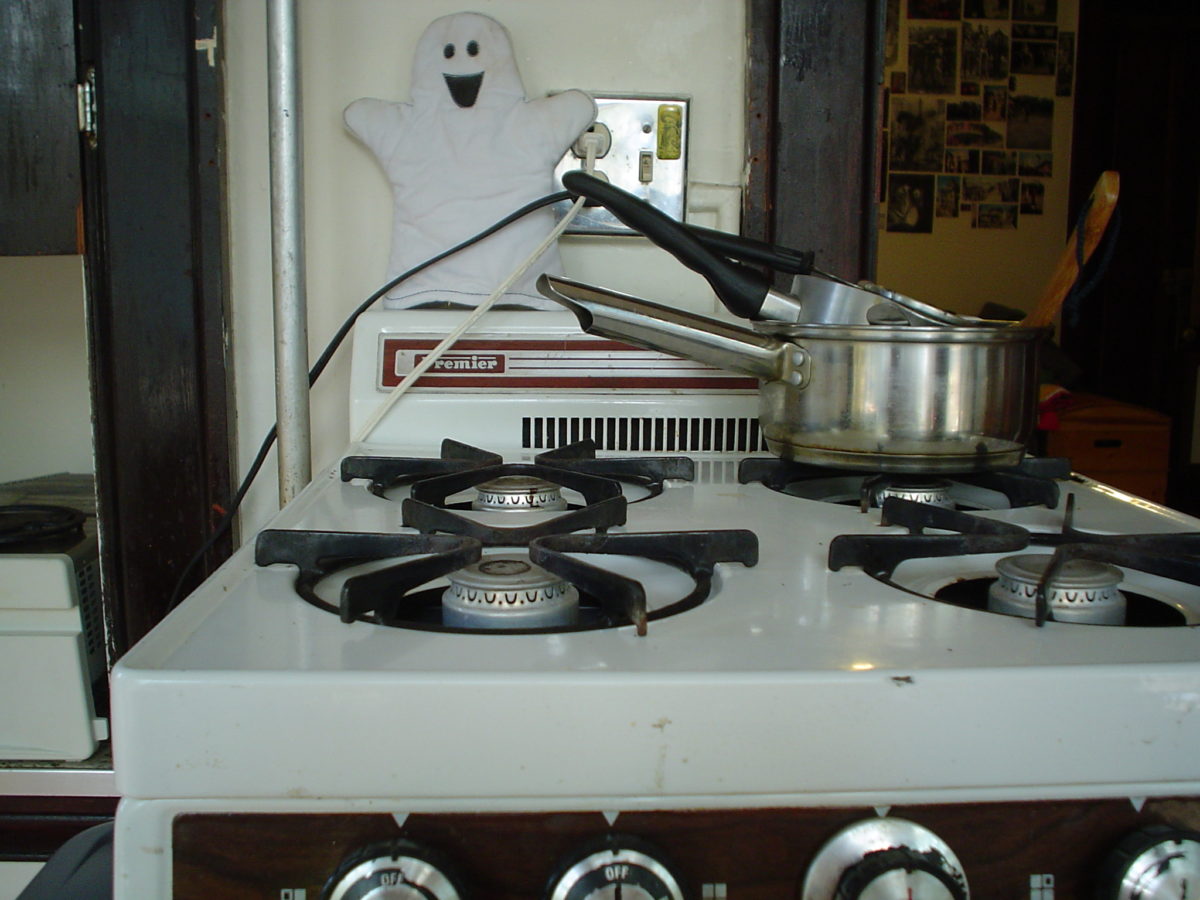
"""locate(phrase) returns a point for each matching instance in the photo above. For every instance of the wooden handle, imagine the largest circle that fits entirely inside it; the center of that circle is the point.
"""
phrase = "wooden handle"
(1103, 202)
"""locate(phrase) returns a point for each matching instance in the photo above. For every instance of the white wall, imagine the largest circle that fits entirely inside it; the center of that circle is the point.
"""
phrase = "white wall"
(961, 268)
(357, 48)
(45, 403)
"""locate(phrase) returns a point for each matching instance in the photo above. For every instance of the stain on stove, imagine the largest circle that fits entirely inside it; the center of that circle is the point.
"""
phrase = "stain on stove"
(661, 724)
(903, 680)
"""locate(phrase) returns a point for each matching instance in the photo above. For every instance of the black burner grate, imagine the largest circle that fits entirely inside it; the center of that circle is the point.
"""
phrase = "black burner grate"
(399, 593)
(391, 595)
(25, 523)
(1175, 556)
(1033, 483)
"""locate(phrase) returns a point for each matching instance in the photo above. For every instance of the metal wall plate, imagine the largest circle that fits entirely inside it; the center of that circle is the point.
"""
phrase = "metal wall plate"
(647, 156)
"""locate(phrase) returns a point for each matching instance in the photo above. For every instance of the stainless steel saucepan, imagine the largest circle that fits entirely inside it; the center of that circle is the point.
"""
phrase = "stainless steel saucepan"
(894, 398)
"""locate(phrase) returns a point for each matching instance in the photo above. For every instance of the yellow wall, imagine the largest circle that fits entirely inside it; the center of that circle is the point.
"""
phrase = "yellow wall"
(959, 267)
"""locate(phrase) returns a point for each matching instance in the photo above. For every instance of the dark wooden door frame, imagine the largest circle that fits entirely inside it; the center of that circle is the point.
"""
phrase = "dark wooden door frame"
(157, 312)
(813, 108)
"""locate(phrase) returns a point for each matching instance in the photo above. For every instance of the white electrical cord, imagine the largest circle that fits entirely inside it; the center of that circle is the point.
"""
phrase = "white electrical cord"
(591, 143)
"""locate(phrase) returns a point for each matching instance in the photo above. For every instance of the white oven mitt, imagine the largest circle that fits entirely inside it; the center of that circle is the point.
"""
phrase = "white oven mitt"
(468, 150)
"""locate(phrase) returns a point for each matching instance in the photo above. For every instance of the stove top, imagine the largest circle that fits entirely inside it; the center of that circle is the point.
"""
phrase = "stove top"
(247, 690)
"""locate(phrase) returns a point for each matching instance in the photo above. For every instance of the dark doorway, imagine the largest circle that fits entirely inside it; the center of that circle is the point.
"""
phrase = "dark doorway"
(1137, 111)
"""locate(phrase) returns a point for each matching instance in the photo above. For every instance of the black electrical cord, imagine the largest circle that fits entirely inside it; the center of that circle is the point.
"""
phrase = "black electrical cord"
(323, 361)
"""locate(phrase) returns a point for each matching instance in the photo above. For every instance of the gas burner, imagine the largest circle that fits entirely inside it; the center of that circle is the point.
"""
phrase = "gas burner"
(391, 579)
(1083, 591)
(644, 475)
(429, 509)
(1033, 483)
(504, 592)
(1077, 583)
(518, 493)
(932, 491)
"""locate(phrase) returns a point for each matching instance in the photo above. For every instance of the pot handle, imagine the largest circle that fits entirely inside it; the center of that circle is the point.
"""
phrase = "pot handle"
(668, 330)
(741, 288)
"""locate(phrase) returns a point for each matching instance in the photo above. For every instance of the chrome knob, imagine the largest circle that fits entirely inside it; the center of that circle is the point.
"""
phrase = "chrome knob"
(393, 870)
(616, 867)
(885, 859)
(1154, 863)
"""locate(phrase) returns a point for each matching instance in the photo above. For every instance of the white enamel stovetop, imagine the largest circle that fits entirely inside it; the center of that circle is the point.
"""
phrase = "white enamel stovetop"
(790, 683)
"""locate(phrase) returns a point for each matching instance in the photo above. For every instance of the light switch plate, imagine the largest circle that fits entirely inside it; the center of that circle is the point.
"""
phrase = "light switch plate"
(647, 157)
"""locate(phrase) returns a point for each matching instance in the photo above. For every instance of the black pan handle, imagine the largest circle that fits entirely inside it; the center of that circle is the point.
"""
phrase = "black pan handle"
(741, 288)
(782, 259)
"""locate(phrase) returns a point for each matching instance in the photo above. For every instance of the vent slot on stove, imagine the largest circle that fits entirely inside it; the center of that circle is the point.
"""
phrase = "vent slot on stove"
(644, 434)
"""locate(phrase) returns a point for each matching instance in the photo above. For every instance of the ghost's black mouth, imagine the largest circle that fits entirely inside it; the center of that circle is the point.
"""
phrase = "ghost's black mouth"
(464, 88)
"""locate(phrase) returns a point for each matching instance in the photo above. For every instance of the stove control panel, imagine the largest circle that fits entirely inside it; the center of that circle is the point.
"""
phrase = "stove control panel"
(1045, 850)
(885, 859)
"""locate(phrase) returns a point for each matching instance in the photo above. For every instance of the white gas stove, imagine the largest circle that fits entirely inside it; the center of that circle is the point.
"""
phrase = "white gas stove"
(453, 696)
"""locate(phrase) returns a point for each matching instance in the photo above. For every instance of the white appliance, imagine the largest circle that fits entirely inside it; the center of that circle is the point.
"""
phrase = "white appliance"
(804, 728)
(51, 621)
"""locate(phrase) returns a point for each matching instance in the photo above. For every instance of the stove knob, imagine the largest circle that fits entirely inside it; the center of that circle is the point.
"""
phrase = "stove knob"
(1153, 863)
(393, 870)
(617, 867)
(885, 859)
(899, 874)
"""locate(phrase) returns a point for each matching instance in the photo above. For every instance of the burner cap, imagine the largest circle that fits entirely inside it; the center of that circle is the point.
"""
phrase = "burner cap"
(508, 592)
(930, 491)
(1085, 591)
(518, 493)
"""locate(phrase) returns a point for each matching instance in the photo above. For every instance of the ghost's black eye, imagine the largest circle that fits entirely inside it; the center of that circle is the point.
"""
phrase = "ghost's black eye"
(448, 51)
(473, 48)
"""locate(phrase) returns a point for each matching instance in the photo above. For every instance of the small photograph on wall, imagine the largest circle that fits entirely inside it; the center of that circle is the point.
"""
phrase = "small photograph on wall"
(1034, 57)
(1030, 122)
(910, 203)
(1039, 164)
(1064, 75)
(1027, 31)
(995, 102)
(1033, 198)
(899, 82)
(917, 127)
(986, 9)
(962, 162)
(1035, 10)
(963, 111)
(891, 34)
(948, 191)
(933, 9)
(999, 162)
(979, 189)
(985, 52)
(972, 134)
(995, 216)
(932, 59)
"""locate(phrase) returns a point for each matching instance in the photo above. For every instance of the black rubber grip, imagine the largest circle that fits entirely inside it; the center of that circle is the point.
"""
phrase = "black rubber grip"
(741, 288)
(782, 259)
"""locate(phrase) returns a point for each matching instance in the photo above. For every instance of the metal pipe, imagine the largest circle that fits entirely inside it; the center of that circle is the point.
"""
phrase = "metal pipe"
(287, 250)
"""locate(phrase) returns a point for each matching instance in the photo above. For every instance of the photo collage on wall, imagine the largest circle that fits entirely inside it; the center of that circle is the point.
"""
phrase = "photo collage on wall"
(969, 110)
